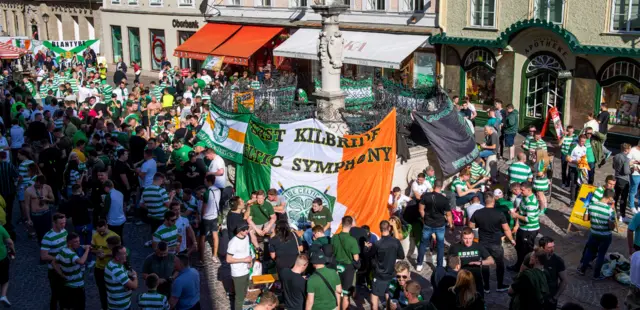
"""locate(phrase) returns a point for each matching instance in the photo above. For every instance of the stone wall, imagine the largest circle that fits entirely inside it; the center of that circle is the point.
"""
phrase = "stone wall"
(504, 78)
(451, 71)
(583, 90)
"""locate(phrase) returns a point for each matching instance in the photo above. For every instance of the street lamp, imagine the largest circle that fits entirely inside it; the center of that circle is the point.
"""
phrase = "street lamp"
(45, 18)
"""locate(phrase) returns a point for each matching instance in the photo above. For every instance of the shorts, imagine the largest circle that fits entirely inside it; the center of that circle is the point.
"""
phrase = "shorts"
(509, 139)
(20, 193)
(4, 270)
(347, 278)
(208, 227)
(380, 287)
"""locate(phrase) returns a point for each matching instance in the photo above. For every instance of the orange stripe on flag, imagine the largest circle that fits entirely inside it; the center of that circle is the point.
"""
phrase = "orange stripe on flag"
(233, 134)
(236, 135)
(374, 177)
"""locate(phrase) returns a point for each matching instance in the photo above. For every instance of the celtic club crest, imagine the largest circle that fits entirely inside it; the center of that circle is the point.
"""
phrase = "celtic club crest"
(220, 130)
(299, 200)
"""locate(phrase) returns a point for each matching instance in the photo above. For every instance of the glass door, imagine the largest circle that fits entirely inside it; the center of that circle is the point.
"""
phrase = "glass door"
(542, 90)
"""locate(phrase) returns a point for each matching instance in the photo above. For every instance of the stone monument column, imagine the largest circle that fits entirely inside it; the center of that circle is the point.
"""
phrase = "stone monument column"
(330, 97)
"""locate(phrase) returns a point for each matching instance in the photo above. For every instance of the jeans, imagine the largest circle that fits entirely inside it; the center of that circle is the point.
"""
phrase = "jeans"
(592, 172)
(596, 245)
(84, 231)
(486, 153)
(460, 201)
(240, 286)
(426, 241)
(497, 252)
(565, 170)
(621, 195)
(102, 286)
(633, 190)
(525, 240)
(41, 223)
(308, 235)
(573, 182)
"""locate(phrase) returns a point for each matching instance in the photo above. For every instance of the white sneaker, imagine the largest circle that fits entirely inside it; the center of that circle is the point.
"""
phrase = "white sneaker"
(634, 210)
(148, 243)
(419, 268)
(5, 301)
(620, 219)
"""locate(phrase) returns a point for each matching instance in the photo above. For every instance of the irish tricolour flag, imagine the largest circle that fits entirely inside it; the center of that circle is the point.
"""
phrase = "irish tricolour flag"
(225, 133)
(305, 160)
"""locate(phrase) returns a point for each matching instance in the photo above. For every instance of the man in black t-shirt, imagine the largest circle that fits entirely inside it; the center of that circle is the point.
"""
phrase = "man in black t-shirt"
(412, 291)
(137, 144)
(556, 272)
(294, 285)
(491, 223)
(236, 218)
(387, 250)
(435, 213)
(603, 119)
(122, 174)
(473, 256)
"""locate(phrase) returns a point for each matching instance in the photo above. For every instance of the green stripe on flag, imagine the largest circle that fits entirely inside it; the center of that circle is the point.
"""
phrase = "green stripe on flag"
(254, 173)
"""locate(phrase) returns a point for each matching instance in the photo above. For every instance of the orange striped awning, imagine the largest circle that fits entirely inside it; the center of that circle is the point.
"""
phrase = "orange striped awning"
(245, 43)
(202, 43)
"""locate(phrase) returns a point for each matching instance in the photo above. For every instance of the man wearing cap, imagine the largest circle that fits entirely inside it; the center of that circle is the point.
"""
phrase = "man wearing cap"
(240, 257)
(323, 288)
(504, 205)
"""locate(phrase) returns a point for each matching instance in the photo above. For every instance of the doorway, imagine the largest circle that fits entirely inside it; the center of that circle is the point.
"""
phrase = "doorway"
(542, 89)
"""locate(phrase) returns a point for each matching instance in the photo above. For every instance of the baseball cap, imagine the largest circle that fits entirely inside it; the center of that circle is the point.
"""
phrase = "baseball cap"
(497, 192)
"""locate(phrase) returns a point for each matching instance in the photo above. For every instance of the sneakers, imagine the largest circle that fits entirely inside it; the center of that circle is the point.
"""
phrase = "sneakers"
(486, 291)
(620, 219)
(5, 301)
(634, 210)
(148, 243)
(419, 268)
(502, 288)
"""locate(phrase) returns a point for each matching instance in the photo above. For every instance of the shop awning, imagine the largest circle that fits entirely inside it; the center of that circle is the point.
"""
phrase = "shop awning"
(360, 48)
(8, 51)
(202, 43)
(245, 43)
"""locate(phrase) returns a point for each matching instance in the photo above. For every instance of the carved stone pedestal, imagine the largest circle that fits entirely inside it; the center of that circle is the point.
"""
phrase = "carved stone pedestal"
(330, 97)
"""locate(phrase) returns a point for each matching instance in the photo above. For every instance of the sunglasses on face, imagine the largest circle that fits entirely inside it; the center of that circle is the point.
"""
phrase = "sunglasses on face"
(402, 277)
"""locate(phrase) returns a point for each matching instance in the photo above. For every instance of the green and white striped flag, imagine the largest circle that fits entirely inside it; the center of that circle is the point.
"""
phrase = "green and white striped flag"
(225, 133)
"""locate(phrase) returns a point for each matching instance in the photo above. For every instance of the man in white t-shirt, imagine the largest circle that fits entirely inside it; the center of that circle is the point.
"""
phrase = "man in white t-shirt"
(217, 168)
(577, 153)
(397, 201)
(185, 232)
(420, 186)
(209, 223)
(240, 257)
(148, 169)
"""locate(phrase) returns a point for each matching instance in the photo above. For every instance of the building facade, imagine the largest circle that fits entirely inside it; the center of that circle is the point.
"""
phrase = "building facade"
(66, 20)
(574, 56)
(382, 37)
(146, 31)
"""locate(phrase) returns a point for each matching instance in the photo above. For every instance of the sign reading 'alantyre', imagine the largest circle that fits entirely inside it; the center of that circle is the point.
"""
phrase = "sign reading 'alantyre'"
(185, 24)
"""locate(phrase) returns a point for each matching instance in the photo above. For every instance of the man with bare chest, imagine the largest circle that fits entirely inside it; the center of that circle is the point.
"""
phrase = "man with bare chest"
(37, 198)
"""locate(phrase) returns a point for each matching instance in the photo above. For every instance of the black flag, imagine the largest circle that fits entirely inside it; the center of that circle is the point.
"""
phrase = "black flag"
(448, 133)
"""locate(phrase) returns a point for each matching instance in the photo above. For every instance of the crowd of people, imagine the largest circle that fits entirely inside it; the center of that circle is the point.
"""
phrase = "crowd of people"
(83, 160)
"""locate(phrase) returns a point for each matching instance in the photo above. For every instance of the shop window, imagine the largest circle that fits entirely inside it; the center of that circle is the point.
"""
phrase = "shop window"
(115, 1)
(186, 3)
(550, 10)
(620, 82)
(158, 51)
(132, 2)
(134, 45)
(483, 13)
(155, 2)
(480, 76)
(424, 69)
(183, 36)
(116, 42)
(625, 16)
(544, 90)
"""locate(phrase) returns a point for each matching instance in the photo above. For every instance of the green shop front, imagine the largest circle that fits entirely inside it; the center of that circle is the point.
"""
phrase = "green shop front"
(536, 66)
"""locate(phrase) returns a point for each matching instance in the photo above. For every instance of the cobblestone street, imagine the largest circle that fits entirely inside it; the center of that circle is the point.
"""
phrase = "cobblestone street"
(29, 285)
